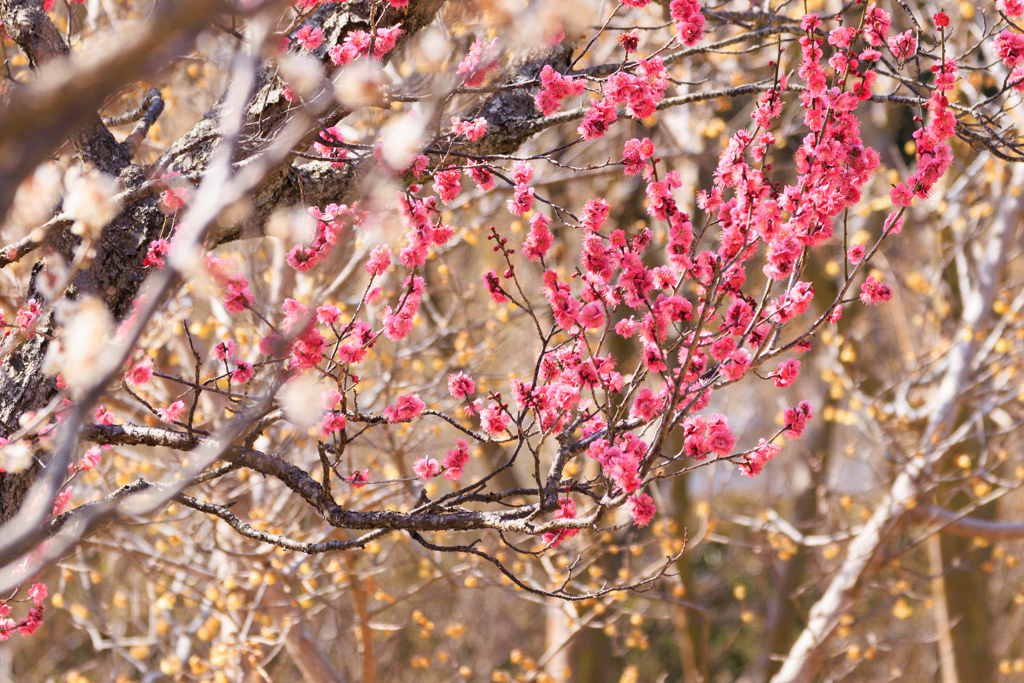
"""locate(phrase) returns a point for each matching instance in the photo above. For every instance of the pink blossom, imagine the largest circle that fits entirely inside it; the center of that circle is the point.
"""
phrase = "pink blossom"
(842, 36)
(358, 478)
(34, 618)
(641, 509)
(903, 45)
(688, 19)
(309, 38)
(631, 41)
(646, 407)
(405, 409)
(893, 223)
(490, 279)
(626, 327)
(238, 298)
(173, 412)
(173, 198)
(537, 243)
(595, 213)
(482, 176)
(478, 62)
(810, 22)
(331, 423)
(459, 385)
(566, 510)
(386, 40)
(755, 462)
(62, 500)
(155, 253)
(598, 119)
(1010, 48)
(103, 416)
(455, 460)
(471, 130)
(722, 347)
(901, 195)
(720, 438)
(494, 419)
(279, 43)
(90, 459)
(225, 350)
(397, 324)
(380, 259)
(554, 88)
(328, 146)
(874, 293)
(1011, 8)
(522, 199)
(876, 25)
(327, 314)
(635, 155)
(426, 468)
(329, 398)
(140, 374)
(242, 373)
(797, 419)
(736, 365)
(27, 315)
(856, 253)
(302, 258)
(38, 593)
(446, 184)
(787, 372)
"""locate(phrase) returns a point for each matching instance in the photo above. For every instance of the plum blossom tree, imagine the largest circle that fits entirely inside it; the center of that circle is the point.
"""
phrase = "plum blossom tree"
(289, 312)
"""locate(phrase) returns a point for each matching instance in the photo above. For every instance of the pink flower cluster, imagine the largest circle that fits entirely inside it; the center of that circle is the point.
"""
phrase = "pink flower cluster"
(641, 93)
(28, 624)
(155, 253)
(635, 155)
(471, 130)
(309, 38)
(539, 240)
(641, 509)
(755, 461)
(329, 225)
(139, 374)
(238, 297)
(173, 412)
(398, 322)
(554, 88)
(405, 409)
(689, 20)
(566, 510)
(598, 119)
(357, 44)
(522, 192)
(329, 147)
(480, 60)
(426, 468)
(1011, 8)
(229, 351)
(422, 234)
(455, 460)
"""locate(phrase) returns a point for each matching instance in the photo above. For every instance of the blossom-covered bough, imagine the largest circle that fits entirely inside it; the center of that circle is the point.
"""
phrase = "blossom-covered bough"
(355, 178)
